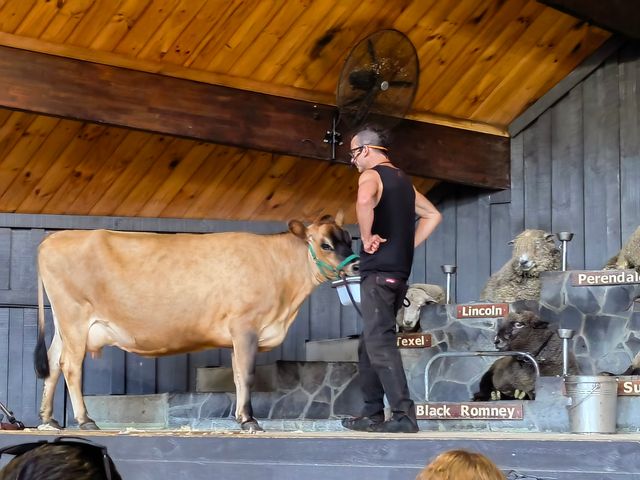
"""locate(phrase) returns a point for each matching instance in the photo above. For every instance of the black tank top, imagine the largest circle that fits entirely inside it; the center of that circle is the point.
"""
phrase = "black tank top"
(394, 219)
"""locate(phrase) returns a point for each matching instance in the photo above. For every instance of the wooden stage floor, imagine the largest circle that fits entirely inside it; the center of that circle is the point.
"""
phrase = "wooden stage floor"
(200, 455)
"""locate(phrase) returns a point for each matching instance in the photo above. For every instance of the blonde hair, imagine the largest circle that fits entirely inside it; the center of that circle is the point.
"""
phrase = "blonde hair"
(461, 465)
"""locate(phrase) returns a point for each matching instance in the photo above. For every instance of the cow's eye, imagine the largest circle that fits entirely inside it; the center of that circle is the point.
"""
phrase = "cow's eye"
(326, 246)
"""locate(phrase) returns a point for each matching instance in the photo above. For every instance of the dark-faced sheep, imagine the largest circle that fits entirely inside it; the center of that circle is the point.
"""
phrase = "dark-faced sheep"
(513, 377)
(534, 251)
(418, 295)
(629, 255)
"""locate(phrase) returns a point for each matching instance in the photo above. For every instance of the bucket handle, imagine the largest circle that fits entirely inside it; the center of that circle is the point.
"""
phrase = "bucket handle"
(595, 388)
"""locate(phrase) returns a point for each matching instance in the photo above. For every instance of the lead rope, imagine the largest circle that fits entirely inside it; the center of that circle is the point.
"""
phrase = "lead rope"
(334, 272)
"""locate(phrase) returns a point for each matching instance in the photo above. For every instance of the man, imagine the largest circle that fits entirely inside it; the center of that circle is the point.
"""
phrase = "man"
(386, 208)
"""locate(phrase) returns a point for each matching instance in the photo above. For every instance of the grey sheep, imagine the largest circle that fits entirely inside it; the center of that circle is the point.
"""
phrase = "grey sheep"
(534, 251)
(629, 255)
(513, 377)
(418, 295)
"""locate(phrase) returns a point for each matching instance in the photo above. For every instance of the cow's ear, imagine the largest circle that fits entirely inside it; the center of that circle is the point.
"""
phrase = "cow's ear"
(323, 219)
(340, 218)
(298, 229)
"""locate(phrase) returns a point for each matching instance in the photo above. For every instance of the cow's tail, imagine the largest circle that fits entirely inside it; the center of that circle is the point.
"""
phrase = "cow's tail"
(40, 359)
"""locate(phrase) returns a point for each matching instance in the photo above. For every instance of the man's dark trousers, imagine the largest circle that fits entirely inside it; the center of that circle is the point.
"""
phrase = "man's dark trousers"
(380, 363)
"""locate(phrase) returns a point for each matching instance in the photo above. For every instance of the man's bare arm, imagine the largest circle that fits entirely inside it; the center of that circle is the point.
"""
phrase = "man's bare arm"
(428, 218)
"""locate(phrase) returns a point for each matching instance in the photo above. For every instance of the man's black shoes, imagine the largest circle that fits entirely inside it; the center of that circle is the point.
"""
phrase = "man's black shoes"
(361, 424)
(396, 424)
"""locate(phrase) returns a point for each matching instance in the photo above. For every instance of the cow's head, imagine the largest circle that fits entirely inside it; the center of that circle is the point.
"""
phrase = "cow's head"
(329, 246)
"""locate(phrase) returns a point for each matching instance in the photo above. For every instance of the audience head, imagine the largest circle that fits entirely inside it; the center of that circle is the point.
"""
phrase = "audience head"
(461, 465)
(61, 459)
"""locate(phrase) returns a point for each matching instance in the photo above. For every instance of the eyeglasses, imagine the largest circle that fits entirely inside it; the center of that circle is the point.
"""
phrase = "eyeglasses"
(354, 152)
(78, 442)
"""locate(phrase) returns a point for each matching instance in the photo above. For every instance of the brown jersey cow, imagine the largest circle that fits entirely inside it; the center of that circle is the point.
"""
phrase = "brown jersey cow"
(162, 294)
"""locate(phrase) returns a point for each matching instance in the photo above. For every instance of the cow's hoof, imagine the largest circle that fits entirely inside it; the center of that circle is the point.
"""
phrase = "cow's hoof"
(251, 426)
(50, 425)
(90, 425)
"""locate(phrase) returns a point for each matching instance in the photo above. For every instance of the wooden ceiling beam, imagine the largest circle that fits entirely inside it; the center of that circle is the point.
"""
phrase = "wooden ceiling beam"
(621, 16)
(92, 92)
(214, 78)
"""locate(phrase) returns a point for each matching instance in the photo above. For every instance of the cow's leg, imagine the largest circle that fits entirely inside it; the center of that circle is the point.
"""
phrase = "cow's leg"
(71, 363)
(245, 349)
(46, 407)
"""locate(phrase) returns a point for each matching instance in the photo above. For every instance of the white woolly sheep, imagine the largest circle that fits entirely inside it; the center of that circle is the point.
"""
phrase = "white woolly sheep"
(418, 295)
(629, 255)
(534, 251)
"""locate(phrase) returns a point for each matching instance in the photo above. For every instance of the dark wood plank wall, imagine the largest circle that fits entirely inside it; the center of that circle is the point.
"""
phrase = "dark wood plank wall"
(576, 168)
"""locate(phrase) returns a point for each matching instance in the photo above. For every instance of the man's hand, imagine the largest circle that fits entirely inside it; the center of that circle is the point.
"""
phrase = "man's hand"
(372, 244)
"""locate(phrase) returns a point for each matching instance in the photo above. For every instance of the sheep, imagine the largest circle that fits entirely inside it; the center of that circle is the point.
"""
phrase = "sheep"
(508, 378)
(534, 251)
(513, 377)
(418, 295)
(629, 255)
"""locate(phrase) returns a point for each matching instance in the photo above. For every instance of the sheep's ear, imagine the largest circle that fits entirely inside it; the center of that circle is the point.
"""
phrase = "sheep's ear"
(541, 324)
(532, 319)
(549, 236)
(535, 321)
(511, 242)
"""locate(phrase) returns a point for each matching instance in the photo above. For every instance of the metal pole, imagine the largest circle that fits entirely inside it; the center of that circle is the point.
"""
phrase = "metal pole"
(565, 334)
(564, 237)
(448, 270)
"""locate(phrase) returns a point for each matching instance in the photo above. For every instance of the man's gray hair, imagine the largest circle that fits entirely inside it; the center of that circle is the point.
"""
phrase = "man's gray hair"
(372, 135)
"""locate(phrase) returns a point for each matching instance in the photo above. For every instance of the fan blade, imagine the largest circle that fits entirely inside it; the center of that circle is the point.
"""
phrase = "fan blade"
(372, 51)
(362, 79)
(400, 83)
(353, 101)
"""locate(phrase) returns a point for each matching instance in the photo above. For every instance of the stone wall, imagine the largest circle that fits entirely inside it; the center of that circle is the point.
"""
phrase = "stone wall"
(605, 319)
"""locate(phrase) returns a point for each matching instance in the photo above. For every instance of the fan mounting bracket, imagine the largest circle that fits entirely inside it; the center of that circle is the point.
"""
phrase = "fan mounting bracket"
(333, 137)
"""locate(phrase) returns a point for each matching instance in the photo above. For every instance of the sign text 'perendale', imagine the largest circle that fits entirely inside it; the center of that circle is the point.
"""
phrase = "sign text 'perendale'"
(604, 277)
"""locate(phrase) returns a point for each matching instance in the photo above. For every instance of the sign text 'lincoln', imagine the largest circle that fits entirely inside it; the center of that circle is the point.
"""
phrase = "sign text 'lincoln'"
(489, 310)
(470, 411)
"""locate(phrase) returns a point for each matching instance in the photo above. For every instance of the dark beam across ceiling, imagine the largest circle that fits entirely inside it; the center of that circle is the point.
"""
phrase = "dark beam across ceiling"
(91, 92)
(621, 16)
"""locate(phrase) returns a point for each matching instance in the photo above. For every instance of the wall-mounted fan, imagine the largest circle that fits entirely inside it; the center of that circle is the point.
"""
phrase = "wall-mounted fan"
(378, 83)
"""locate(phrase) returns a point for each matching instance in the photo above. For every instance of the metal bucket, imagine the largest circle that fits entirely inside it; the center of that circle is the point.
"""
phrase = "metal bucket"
(353, 286)
(593, 403)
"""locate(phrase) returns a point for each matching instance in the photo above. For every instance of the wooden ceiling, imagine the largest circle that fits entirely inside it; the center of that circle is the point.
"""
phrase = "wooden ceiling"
(483, 62)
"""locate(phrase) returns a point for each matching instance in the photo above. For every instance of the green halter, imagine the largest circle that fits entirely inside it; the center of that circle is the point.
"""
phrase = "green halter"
(333, 272)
